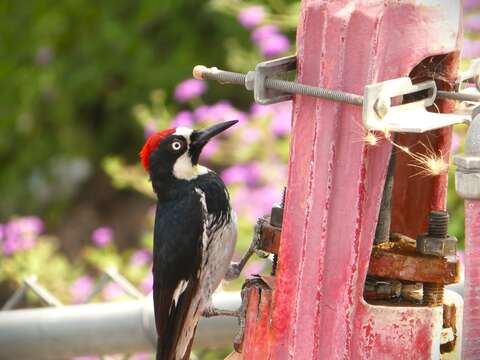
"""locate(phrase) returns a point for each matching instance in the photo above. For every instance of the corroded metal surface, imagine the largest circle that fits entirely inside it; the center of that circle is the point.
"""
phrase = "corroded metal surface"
(413, 267)
(269, 237)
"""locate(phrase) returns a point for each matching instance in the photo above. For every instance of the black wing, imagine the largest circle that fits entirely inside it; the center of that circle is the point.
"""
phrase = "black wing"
(178, 237)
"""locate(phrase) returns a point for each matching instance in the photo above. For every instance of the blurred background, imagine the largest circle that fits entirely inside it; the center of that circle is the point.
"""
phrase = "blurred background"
(83, 86)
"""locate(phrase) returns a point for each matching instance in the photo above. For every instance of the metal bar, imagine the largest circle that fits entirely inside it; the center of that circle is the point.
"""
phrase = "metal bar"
(382, 232)
(46, 296)
(203, 73)
(126, 285)
(458, 96)
(15, 298)
(467, 185)
(125, 327)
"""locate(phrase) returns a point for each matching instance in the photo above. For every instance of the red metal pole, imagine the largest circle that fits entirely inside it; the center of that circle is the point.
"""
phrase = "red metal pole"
(467, 184)
(335, 183)
(471, 314)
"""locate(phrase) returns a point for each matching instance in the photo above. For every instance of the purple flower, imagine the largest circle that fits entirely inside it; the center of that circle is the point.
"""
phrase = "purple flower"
(210, 149)
(274, 45)
(472, 23)
(471, 48)
(251, 16)
(112, 291)
(258, 110)
(149, 129)
(81, 289)
(189, 89)
(250, 135)
(21, 234)
(264, 32)
(102, 236)
(264, 196)
(249, 174)
(270, 41)
(282, 121)
(183, 118)
(140, 258)
(470, 4)
(147, 283)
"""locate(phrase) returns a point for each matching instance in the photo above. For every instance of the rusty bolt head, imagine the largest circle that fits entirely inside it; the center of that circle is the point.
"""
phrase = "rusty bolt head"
(276, 216)
(443, 247)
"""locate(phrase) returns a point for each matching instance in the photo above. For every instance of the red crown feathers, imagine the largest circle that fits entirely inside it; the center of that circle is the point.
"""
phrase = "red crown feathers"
(151, 144)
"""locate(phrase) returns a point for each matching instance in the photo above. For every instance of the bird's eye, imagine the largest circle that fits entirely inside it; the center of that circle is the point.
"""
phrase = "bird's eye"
(176, 145)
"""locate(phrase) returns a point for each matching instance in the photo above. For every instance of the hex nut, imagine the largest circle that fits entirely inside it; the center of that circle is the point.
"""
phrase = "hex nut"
(442, 247)
(467, 185)
(276, 216)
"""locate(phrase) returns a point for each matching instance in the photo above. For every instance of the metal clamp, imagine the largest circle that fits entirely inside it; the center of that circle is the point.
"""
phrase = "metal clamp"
(378, 111)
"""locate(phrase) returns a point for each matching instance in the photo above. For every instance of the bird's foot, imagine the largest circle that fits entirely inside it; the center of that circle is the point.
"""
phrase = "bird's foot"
(212, 311)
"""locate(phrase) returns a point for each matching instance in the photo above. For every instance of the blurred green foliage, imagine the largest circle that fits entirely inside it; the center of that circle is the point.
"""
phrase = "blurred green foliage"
(71, 72)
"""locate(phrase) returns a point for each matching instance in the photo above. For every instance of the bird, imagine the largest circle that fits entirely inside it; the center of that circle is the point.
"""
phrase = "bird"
(194, 234)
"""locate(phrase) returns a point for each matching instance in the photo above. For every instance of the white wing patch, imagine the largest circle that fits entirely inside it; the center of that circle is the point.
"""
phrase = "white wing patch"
(182, 285)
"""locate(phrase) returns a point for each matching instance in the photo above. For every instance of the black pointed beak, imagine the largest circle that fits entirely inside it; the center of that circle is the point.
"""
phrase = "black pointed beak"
(200, 138)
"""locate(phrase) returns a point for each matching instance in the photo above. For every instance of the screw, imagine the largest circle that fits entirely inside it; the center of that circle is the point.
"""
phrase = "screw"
(201, 72)
(437, 230)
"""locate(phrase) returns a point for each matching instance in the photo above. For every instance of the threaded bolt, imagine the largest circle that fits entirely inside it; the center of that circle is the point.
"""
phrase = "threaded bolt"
(437, 228)
(438, 224)
(432, 294)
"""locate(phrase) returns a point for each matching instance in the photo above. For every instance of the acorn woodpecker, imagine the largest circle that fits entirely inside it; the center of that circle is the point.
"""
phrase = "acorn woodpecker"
(194, 234)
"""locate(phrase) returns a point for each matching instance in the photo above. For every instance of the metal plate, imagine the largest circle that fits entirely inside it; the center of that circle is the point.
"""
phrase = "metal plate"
(270, 68)
(412, 117)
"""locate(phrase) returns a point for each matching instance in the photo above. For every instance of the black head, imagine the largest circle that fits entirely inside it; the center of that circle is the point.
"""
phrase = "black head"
(173, 154)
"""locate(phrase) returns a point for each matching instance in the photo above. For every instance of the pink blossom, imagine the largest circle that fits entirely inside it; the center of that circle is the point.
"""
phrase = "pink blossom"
(471, 48)
(112, 291)
(147, 283)
(210, 149)
(274, 45)
(472, 23)
(470, 4)
(183, 118)
(248, 174)
(189, 89)
(81, 289)
(21, 234)
(264, 32)
(102, 236)
(250, 135)
(140, 258)
(251, 16)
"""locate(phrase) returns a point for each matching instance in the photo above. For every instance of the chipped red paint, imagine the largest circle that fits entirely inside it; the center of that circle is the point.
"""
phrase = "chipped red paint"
(471, 312)
(334, 188)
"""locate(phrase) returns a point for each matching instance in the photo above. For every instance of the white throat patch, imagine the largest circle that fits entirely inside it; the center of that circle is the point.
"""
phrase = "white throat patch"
(184, 170)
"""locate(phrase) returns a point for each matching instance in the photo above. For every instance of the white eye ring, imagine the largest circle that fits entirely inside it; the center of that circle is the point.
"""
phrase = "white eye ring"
(176, 145)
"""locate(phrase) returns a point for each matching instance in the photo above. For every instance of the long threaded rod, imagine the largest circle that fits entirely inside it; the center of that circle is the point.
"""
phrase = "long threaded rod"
(228, 77)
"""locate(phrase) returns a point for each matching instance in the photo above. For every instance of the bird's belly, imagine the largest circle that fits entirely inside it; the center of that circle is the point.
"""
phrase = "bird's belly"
(217, 258)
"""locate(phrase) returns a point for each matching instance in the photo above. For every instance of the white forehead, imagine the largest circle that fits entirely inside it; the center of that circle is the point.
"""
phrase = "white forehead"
(183, 131)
